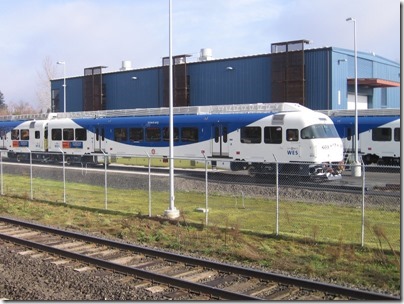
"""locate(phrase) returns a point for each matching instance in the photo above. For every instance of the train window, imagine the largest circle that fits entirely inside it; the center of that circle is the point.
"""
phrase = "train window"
(37, 135)
(273, 135)
(381, 134)
(81, 134)
(68, 134)
(224, 133)
(56, 134)
(121, 134)
(319, 131)
(250, 135)
(15, 134)
(166, 134)
(25, 134)
(221, 131)
(397, 134)
(136, 134)
(153, 134)
(217, 134)
(349, 134)
(189, 134)
(292, 134)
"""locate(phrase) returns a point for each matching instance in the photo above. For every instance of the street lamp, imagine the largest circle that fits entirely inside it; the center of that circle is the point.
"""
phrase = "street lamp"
(356, 169)
(171, 212)
(64, 84)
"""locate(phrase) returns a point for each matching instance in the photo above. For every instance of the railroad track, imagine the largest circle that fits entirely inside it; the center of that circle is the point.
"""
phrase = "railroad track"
(161, 271)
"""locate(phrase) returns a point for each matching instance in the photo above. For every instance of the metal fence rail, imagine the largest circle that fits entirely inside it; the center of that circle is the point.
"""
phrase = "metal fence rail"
(355, 210)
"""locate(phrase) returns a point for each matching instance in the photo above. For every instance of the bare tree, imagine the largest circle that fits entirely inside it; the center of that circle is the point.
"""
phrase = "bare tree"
(21, 107)
(45, 76)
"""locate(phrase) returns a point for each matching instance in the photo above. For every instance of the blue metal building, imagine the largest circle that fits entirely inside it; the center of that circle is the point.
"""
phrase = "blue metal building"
(320, 79)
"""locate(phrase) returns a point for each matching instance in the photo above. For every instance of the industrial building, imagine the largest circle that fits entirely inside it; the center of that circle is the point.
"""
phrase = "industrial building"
(320, 79)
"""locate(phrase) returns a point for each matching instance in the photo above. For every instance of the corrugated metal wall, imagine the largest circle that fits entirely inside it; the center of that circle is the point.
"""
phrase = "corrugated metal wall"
(318, 79)
(245, 80)
(234, 81)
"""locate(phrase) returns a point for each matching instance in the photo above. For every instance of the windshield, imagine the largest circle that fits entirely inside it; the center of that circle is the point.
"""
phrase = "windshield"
(319, 131)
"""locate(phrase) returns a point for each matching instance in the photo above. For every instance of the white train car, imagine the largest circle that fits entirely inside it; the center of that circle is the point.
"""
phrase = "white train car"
(379, 140)
(240, 137)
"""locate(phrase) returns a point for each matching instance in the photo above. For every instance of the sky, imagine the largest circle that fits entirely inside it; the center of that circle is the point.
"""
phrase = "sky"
(88, 33)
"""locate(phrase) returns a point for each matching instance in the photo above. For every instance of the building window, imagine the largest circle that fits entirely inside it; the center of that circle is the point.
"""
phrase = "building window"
(55, 101)
(384, 97)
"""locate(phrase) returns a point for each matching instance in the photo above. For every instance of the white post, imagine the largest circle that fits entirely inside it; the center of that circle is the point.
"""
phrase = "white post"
(1, 173)
(105, 179)
(149, 166)
(356, 168)
(30, 170)
(171, 212)
(206, 191)
(64, 176)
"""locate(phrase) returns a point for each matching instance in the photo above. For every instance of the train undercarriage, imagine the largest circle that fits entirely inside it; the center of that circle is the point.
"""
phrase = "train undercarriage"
(308, 170)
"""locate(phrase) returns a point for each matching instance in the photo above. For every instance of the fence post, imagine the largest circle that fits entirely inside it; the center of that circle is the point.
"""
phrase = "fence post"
(30, 173)
(64, 176)
(206, 191)
(277, 194)
(363, 204)
(1, 173)
(149, 166)
(105, 179)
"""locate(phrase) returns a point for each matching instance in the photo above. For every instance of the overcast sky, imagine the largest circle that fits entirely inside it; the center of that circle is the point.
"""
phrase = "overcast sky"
(87, 33)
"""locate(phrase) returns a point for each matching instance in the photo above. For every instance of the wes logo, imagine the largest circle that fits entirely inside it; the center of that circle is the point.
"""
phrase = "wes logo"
(292, 152)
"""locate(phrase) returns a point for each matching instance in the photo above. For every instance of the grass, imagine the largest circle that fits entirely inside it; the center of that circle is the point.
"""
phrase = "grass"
(317, 240)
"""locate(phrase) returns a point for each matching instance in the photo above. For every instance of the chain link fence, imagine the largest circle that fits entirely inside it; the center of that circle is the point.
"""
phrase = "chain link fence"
(274, 199)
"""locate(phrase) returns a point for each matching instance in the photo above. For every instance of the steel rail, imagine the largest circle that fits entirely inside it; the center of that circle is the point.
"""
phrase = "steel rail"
(154, 277)
(330, 288)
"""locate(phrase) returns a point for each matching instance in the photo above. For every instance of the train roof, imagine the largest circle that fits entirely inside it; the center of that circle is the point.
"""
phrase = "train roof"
(362, 112)
(196, 110)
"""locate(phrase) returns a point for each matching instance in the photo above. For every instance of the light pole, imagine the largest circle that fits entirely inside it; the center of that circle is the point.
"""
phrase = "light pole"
(64, 84)
(171, 212)
(356, 169)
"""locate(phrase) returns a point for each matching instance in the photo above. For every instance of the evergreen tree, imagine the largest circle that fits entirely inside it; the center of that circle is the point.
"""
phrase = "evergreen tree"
(2, 101)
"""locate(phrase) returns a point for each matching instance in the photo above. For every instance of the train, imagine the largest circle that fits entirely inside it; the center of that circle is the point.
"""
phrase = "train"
(251, 137)
(379, 140)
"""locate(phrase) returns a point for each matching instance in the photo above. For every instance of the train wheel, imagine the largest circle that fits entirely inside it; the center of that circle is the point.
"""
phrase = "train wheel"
(252, 171)
(19, 158)
(68, 161)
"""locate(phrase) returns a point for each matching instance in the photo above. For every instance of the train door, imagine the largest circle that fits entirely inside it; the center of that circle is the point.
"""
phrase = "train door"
(38, 135)
(99, 138)
(3, 138)
(220, 143)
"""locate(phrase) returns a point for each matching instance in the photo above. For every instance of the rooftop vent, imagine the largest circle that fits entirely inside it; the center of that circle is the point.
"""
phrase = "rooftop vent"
(126, 65)
(205, 54)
